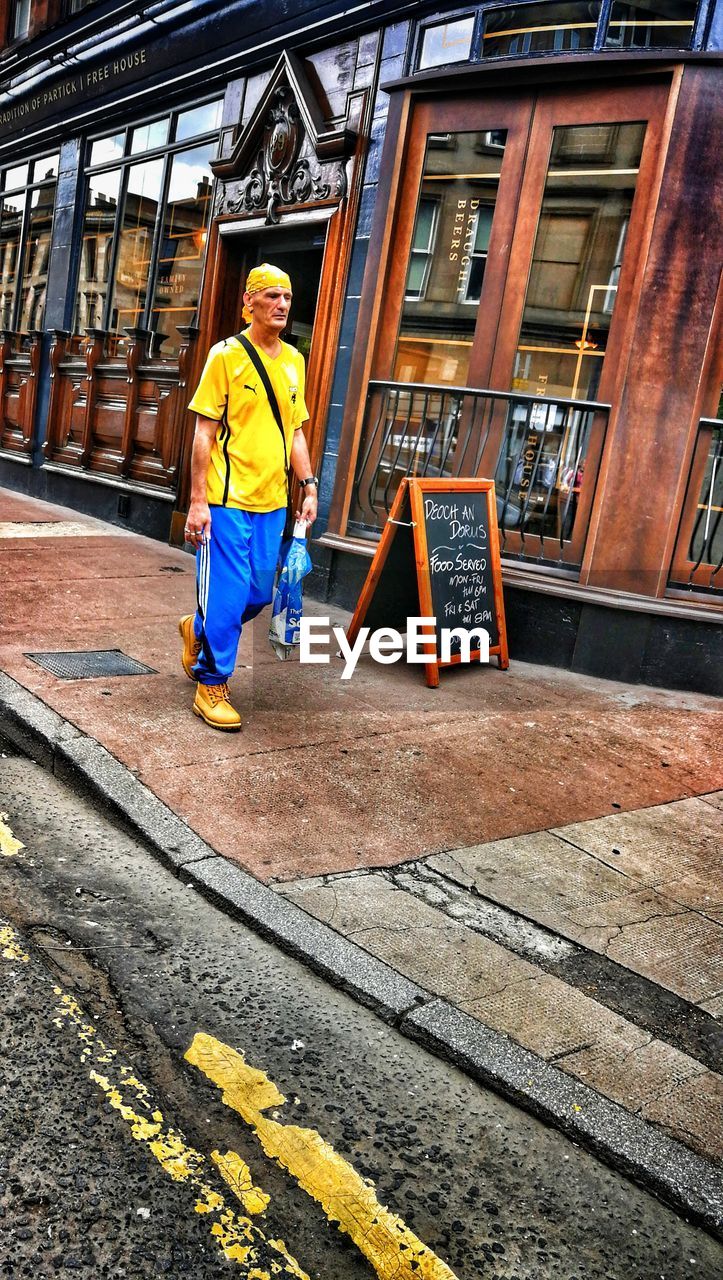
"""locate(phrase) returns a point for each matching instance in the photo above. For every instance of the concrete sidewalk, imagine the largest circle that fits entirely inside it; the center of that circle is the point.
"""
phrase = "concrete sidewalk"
(533, 856)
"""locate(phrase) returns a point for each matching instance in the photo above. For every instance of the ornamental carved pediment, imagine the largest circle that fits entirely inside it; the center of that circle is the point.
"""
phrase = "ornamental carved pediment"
(287, 154)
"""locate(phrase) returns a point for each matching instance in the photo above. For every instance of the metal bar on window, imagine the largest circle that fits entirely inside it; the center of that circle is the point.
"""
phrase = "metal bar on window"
(414, 429)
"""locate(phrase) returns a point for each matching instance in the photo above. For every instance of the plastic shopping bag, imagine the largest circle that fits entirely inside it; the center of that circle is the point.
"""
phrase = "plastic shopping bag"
(287, 602)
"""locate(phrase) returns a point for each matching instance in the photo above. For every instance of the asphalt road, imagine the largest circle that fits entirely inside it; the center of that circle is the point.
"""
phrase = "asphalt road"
(131, 1007)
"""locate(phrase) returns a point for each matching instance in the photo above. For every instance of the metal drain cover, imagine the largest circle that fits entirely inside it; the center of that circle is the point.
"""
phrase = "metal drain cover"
(91, 664)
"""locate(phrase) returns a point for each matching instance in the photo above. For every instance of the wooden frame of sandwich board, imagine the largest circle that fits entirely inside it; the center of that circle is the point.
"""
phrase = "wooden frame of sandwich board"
(408, 515)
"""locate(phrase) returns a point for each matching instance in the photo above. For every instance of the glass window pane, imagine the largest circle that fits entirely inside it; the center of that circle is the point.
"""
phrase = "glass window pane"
(104, 150)
(36, 257)
(540, 28)
(11, 221)
(570, 298)
(706, 543)
(21, 18)
(45, 168)
(459, 191)
(183, 246)
(205, 119)
(17, 177)
(133, 265)
(96, 250)
(448, 42)
(424, 226)
(660, 24)
(576, 260)
(148, 136)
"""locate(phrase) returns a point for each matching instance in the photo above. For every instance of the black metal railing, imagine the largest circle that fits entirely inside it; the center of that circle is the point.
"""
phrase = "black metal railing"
(699, 557)
(534, 447)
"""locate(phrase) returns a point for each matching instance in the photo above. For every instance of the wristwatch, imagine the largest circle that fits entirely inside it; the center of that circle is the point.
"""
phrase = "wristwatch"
(310, 480)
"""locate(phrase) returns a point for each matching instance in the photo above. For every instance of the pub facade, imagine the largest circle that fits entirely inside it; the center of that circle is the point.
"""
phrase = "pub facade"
(502, 224)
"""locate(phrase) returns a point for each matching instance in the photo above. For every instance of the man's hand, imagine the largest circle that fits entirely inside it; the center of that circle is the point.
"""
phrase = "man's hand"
(198, 524)
(198, 520)
(309, 506)
(301, 463)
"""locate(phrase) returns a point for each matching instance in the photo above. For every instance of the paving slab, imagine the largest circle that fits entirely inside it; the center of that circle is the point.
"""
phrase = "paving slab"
(658, 845)
(557, 1022)
(574, 882)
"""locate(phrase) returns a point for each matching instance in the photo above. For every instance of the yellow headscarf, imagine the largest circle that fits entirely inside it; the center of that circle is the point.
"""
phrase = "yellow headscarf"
(265, 277)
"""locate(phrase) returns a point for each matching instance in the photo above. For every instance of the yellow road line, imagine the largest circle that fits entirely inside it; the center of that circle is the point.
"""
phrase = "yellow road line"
(242, 1240)
(391, 1248)
(10, 948)
(9, 846)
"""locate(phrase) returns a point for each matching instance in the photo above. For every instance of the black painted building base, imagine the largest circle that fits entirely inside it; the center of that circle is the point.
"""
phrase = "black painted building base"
(109, 500)
(615, 643)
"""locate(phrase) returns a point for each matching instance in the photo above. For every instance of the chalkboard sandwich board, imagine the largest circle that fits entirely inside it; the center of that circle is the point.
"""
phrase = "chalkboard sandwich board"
(438, 557)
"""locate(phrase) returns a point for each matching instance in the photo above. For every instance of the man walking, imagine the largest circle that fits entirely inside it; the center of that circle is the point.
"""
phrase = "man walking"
(249, 432)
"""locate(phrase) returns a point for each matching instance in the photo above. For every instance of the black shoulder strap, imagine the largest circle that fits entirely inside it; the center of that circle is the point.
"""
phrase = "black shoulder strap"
(258, 364)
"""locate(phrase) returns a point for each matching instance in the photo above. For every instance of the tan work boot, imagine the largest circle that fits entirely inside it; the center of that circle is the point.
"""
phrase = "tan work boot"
(213, 705)
(191, 646)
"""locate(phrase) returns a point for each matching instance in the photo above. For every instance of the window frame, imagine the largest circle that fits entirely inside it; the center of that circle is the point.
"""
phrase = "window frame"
(166, 153)
(481, 12)
(425, 24)
(427, 253)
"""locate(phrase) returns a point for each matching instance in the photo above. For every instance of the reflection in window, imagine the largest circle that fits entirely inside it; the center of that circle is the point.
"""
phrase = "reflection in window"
(180, 261)
(447, 42)
(576, 260)
(570, 297)
(36, 258)
(20, 22)
(471, 285)
(706, 543)
(95, 260)
(11, 225)
(143, 252)
(661, 24)
(107, 149)
(449, 244)
(16, 177)
(26, 220)
(149, 136)
(138, 222)
(540, 28)
(420, 257)
(203, 119)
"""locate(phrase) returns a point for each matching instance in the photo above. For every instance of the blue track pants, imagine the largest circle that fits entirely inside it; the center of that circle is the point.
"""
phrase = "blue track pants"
(234, 580)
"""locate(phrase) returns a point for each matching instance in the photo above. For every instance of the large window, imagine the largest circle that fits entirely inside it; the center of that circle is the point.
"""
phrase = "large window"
(666, 24)
(448, 254)
(540, 28)
(147, 209)
(576, 261)
(27, 202)
(500, 30)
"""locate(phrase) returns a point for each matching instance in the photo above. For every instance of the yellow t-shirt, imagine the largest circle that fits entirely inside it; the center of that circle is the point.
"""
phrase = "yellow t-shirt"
(247, 456)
